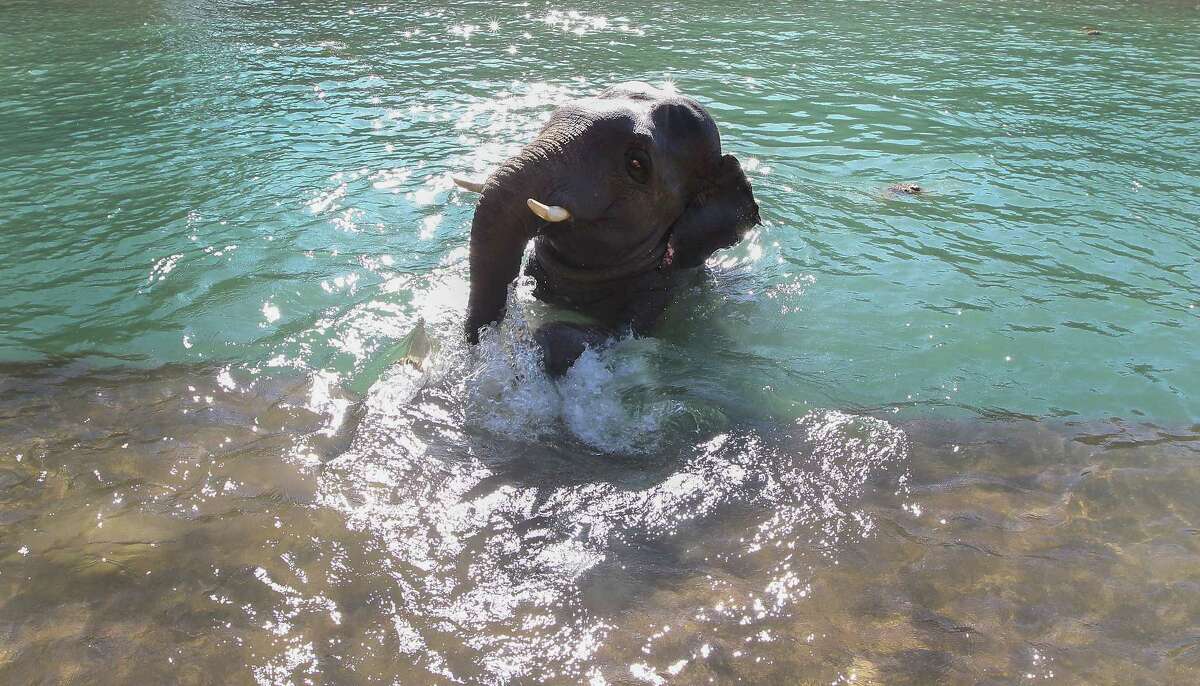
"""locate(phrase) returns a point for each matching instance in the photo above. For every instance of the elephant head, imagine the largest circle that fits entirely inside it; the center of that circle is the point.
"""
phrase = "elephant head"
(612, 186)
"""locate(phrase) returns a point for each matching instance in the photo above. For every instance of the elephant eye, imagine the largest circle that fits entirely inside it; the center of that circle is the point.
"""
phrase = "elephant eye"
(637, 164)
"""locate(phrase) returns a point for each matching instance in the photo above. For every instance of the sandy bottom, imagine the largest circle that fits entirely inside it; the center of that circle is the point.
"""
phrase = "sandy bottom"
(183, 525)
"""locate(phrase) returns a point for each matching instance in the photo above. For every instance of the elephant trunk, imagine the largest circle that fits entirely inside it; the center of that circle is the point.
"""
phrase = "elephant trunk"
(503, 224)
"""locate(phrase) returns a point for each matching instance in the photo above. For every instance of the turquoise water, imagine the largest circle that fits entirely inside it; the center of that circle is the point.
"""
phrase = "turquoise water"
(221, 224)
(253, 183)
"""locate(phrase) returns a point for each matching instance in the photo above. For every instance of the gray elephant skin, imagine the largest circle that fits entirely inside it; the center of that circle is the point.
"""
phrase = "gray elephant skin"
(619, 192)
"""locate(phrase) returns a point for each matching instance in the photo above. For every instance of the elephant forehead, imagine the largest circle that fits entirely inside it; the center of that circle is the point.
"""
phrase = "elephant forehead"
(599, 108)
(673, 122)
(637, 90)
(683, 122)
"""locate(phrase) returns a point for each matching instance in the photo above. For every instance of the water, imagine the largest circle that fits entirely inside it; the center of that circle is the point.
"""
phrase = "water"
(887, 439)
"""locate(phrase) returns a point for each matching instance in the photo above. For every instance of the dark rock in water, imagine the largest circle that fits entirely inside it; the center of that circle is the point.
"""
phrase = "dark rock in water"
(906, 188)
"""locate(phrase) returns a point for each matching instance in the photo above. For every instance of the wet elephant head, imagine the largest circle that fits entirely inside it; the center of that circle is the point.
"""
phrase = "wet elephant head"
(607, 186)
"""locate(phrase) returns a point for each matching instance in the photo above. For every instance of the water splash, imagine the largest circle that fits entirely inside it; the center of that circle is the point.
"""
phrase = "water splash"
(516, 545)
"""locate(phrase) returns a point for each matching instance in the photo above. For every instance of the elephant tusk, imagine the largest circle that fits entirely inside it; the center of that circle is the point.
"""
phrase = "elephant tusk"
(551, 213)
(467, 184)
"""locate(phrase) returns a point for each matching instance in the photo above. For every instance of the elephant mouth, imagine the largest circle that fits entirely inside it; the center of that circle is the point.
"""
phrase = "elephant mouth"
(645, 257)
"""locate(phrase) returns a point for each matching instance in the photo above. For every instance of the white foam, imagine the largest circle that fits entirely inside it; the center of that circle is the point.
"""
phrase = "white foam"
(509, 392)
(504, 387)
(593, 408)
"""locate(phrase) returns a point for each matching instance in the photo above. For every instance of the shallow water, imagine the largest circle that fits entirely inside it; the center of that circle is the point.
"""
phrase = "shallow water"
(186, 525)
(888, 439)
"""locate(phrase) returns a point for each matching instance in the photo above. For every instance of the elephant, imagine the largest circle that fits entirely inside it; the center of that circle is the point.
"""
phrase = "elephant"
(619, 192)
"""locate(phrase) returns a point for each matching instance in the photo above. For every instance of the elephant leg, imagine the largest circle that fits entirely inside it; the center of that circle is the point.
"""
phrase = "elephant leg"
(563, 342)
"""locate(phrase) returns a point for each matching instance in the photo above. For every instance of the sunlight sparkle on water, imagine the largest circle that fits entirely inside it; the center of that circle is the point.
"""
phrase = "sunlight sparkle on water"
(357, 491)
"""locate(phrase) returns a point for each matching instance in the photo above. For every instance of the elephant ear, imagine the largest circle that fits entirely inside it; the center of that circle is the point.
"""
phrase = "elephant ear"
(716, 218)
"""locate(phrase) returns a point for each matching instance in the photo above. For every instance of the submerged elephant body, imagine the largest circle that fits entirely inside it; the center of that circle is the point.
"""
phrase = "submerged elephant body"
(618, 192)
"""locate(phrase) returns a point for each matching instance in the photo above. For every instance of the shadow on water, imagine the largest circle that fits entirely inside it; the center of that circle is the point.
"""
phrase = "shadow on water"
(212, 526)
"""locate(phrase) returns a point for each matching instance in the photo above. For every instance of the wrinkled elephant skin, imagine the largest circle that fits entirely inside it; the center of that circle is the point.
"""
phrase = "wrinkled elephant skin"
(619, 192)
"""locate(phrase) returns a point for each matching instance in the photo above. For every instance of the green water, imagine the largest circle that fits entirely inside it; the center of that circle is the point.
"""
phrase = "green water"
(240, 181)
(221, 222)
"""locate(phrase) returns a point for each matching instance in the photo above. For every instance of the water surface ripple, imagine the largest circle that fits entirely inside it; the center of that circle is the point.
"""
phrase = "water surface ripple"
(237, 181)
(944, 438)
